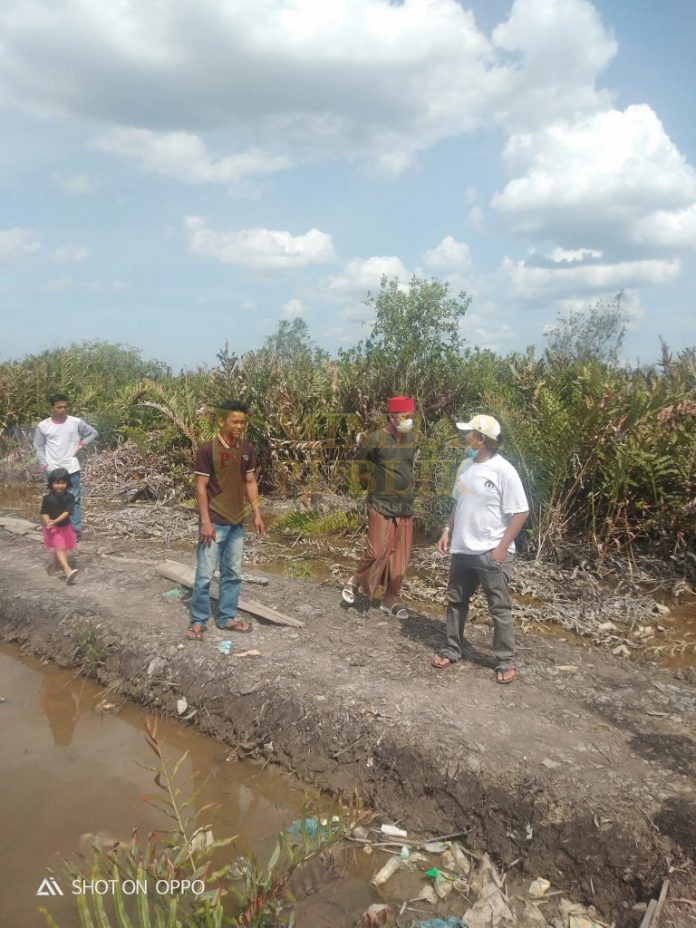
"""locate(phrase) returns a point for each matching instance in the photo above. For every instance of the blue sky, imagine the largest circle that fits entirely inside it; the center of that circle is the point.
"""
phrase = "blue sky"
(175, 173)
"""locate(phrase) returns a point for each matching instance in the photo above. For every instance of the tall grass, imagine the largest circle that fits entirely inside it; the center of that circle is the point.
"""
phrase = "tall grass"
(607, 452)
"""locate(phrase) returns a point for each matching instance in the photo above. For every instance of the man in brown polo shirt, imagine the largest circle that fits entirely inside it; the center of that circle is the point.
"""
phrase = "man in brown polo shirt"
(226, 489)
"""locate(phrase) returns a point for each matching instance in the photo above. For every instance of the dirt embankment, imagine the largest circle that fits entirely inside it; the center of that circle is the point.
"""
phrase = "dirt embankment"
(582, 771)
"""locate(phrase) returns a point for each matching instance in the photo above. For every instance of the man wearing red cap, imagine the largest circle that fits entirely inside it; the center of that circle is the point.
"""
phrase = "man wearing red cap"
(385, 469)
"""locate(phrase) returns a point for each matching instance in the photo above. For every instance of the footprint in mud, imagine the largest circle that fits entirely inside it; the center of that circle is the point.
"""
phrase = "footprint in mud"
(677, 820)
(677, 752)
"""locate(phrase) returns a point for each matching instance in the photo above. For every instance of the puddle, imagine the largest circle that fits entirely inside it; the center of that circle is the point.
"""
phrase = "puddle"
(67, 769)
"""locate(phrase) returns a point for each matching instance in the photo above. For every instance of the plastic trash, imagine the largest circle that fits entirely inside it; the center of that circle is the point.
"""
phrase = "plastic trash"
(377, 914)
(224, 647)
(405, 853)
(451, 922)
(436, 847)
(388, 870)
(539, 887)
(181, 705)
(174, 593)
(455, 859)
(490, 910)
(427, 894)
(442, 884)
(393, 831)
(531, 917)
(312, 827)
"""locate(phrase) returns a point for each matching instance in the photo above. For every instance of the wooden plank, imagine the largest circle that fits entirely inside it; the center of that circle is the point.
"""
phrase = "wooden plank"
(655, 923)
(181, 573)
(649, 912)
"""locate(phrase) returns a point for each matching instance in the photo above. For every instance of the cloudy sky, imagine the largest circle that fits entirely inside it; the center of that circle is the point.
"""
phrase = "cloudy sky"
(174, 173)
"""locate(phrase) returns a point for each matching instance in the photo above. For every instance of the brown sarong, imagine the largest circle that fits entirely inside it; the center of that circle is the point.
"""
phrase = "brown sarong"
(387, 553)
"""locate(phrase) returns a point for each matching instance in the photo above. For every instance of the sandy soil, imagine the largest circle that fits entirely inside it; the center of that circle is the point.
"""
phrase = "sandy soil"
(582, 771)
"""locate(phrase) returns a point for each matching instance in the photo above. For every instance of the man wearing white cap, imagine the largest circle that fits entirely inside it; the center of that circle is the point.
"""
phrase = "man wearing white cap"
(490, 509)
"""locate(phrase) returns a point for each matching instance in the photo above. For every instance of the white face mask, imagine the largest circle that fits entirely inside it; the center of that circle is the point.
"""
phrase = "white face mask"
(404, 426)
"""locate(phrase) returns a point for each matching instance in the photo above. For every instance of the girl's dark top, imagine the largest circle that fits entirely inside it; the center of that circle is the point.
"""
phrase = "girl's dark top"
(53, 505)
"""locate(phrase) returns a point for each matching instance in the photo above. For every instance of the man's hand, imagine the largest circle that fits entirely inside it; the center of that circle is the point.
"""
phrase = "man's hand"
(443, 543)
(499, 554)
(259, 527)
(207, 534)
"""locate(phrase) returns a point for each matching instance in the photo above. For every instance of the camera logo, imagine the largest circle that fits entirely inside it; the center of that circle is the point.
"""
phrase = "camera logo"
(49, 887)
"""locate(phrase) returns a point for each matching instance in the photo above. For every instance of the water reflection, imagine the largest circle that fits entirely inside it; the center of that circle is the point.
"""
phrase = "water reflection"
(67, 769)
(63, 702)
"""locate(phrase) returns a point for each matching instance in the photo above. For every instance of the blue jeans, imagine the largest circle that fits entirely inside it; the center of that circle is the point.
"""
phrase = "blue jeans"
(76, 514)
(226, 550)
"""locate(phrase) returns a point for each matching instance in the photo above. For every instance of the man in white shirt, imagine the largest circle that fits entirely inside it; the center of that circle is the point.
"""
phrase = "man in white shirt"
(490, 509)
(57, 442)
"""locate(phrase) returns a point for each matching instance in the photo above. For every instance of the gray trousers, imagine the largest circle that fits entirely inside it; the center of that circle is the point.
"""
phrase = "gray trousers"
(466, 572)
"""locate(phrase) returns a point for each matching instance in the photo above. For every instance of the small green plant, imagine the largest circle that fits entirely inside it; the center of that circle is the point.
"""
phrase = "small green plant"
(297, 570)
(237, 892)
(90, 650)
(310, 524)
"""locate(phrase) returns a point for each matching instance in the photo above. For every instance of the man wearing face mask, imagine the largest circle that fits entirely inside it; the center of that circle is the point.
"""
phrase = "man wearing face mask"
(385, 468)
(490, 509)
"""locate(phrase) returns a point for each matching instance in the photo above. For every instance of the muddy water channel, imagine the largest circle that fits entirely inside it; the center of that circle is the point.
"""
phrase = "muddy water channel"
(68, 769)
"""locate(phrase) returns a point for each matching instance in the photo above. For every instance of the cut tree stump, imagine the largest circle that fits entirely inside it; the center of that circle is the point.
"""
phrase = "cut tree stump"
(181, 573)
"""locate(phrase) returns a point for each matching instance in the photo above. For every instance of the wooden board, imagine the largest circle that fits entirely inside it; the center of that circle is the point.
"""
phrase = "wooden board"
(181, 573)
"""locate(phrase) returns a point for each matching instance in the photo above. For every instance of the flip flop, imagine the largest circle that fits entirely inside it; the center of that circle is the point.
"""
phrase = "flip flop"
(505, 675)
(235, 625)
(70, 578)
(195, 632)
(348, 593)
(399, 612)
(439, 662)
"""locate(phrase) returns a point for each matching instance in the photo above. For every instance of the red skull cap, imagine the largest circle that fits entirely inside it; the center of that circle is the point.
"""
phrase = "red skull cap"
(401, 404)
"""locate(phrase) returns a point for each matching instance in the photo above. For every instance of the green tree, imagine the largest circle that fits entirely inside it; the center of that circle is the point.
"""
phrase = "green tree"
(596, 335)
(414, 347)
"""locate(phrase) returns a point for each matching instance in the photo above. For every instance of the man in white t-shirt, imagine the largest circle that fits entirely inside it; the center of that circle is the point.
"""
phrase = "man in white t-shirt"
(57, 442)
(490, 509)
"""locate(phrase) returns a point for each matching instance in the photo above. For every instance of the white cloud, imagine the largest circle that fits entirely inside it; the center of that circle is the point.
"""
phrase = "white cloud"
(362, 274)
(529, 282)
(16, 244)
(349, 78)
(69, 253)
(59, 283)
(477, 218)
(563, 255)
(449, 255)
(87, 286)
(667, 229)
(596, 175)
(630, 305)
(183, 156)
(260, 249)
(75, 184)
(561, 48)
(293, 308)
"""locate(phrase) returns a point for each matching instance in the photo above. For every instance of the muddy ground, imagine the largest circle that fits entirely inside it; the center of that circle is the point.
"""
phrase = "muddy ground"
(582, 771)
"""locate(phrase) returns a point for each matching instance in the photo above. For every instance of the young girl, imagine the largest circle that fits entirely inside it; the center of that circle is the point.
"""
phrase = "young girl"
(59, 535)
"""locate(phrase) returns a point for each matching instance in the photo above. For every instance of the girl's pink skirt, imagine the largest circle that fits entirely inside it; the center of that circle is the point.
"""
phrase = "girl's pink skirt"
(60, 536)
